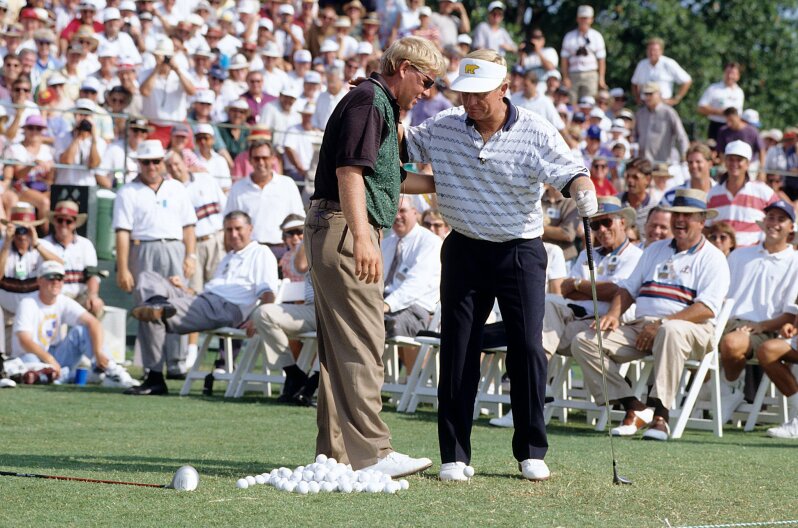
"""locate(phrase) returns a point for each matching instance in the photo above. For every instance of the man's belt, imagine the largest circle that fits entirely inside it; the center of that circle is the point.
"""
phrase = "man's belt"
(164, 240)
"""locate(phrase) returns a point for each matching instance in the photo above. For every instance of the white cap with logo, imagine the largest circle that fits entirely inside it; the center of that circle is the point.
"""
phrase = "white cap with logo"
(478, 76)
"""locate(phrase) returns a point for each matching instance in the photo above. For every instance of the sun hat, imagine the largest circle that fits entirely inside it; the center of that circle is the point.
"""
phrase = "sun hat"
(23, 214)
(691, 201)
(51, 268)
(478, 76)
(35, 120)
(70, 209)
(611, 205)
(149, 149)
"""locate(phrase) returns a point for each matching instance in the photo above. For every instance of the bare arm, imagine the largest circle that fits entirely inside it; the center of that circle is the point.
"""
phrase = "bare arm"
(580, 290)
(301, 260)
(185, 81)
(683, 89)
(352, 192)
(146, 87)
(602, 68)
(566, 80)
(94, 154)
(416, 183)
(124, 279)
(190, 243)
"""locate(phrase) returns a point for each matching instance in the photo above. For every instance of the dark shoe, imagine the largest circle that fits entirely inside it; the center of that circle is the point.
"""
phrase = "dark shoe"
(151, 312)
(148, 390)
(304, 401)
(305, 396)
(295, 380)
(175, 375)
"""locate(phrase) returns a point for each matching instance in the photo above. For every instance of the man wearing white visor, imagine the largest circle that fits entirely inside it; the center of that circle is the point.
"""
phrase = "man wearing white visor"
(490, 160)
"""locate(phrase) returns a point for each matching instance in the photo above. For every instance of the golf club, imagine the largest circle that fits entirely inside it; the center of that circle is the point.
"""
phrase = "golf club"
(186, 478)
(616, 479)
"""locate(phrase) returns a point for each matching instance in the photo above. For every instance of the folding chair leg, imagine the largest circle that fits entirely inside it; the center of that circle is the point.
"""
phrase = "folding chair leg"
(412, 378)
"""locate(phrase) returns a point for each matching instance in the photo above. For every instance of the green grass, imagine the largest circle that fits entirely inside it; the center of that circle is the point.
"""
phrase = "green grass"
(99, 433)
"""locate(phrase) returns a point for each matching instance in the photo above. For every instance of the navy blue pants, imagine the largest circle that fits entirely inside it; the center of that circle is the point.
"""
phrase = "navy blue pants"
(474, 273)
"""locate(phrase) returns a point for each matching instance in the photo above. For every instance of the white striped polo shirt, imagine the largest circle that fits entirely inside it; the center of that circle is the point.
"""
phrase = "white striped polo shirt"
(667, 280)
(742, 210)
(491, 191)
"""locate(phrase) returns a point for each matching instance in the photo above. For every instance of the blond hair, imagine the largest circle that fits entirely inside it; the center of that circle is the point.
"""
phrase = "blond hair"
(489, 55)
(420, 52)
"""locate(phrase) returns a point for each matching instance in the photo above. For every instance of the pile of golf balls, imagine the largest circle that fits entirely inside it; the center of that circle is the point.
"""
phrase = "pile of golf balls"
(324, 476)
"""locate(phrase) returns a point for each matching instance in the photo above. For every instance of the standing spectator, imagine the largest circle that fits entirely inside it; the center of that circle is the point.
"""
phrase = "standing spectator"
(431, 102)
(86, 12)
(327, 100)
(491, 34)
(583, 57)
(280, 115)
(82, 147)
(426, 29)
(218, 167)
(266, 197)
(599, 175)
(112, 36)
(323, 28)
(784, 157)
(274, 78)
(30, 180)
(658, 128)
(154, 223)
(719, 96)
(737, 129)
(531, 99)
(535, 56)
(663, 71)
(234, 131)
(637, 196)
(299, 159)
(287, 34)
(451, 19)
(699, 165)
(118, 166)
(255, 96)
(739, 200)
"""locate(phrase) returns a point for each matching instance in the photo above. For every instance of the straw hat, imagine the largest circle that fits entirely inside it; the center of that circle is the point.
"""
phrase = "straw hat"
(70, 209)
(23, 214)
(691, 201)
(86, 32)
(611, 205)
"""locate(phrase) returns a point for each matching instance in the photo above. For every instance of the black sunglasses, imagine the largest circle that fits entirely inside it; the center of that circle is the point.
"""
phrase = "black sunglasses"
(606, 222)
(428, 81)
(293, 232)
(150, 162)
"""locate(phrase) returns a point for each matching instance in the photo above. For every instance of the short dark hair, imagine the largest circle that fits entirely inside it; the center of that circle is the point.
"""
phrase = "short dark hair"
(232, 215)
(656, 209)
(640, 164)
(730, 111)
(258, 144)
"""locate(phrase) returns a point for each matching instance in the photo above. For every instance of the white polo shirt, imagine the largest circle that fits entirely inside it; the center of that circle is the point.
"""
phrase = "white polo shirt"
(667, 281)
(721, 97)
(765, 283)
(491, 191)
(593, 43)
(208, 201)
(611, 266)
(303, 144)
(541, 105)
(43, 322)
(243, 276)
(267, 207)
(167, 101)
(77, 256)
(217, 168)
(153, 215)
(417, 279)
(666, 72)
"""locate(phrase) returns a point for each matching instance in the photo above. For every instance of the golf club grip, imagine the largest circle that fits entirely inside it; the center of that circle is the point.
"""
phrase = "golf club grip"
(78, 479)
(588, 243)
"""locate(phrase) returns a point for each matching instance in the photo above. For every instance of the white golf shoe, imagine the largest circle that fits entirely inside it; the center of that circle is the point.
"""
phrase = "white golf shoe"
(504, 421)
(398, 465)
(788, 430)
(116, 376)
(6, 383)
(534, 469)
(453, 472)
(633, 422)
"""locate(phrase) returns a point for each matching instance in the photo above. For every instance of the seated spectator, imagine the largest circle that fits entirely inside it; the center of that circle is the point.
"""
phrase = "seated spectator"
(739, 200)
(245, 276)
(81, 279)
(784, 157)
(432, 101)
(599, 172)
(776, 358)
(300, 155)
(615, 258)
(30, 180)
(293, 233)
(412, 275)
(433, 220)
(534, 101)
(565, 225)
(329, 99)
(699, 165)
(723, 237)
(266, 196)
(593, 148)
(218, 166)
(765, 279)
(180, 141)
(661, 181)
(234, 131)
(678, 287)
(736, 129)
(37, 331)
(20, 265)
(279, 115)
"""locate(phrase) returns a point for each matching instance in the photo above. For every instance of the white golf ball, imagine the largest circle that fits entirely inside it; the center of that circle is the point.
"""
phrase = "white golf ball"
(285, 472)
(307, 475)
(468, 471)
(242, 483)
(392, 487)
(385, 478)
(345, 487)
(302, 488)
(374, 487)
(314, 487)
(331, 462)
(404, 483)
(321, 459)
(327, 487)
(300, 469)
(260, 479)
(250, 480)
(357, 487)
(363, 477)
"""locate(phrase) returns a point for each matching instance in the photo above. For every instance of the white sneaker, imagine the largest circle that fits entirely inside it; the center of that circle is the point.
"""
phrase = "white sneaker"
(535, 469)
(399, 465)
(6, 383)
(453, 471)
(731, 396)
(116, 376)
(95, 377)
(504, 421)
(787, 430)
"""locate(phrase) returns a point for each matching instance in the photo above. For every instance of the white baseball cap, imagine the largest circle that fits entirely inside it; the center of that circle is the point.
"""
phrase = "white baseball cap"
(365, 48)
(774, 133)
(205, 97)
(496, 5)
(51, 267)
(270, 50)
(302, 55)
(312, 77)
(738, 148)
(328, 46)
(464, 38)
(598, 113)
(290, 91)
(111, 13)
(204, 128)
(751, 117)
(286, 9)
(149, 149)
(478, 76)
(106, 50)
(239, 62)
(585, 11)
(127, 5)
(266, 23)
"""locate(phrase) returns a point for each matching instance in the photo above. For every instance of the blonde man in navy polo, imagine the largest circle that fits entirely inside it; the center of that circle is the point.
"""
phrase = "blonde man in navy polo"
(490, 160)
(678, 287)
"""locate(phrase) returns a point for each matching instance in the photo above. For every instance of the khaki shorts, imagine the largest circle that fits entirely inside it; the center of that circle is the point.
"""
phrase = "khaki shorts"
(756, 339)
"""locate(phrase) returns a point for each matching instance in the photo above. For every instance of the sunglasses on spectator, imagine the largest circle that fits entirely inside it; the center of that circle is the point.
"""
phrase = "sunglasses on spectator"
(427, 81)
(53, 278)
(64, 220)
(22, 90)
(605, 222)
(149, 162)
(292, 232)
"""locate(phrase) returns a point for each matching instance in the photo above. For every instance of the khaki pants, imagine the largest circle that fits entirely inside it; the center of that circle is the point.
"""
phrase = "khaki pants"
(583, 84)
(276, 324)
(351, 340)
(560, 327)
(209, 252)
(675, 342)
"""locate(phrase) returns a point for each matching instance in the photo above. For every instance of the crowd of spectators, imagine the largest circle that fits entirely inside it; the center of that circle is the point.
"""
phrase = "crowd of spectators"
(228, 100)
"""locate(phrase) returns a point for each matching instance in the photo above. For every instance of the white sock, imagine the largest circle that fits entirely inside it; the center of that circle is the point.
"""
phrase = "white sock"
(191, 355)
(792, 406)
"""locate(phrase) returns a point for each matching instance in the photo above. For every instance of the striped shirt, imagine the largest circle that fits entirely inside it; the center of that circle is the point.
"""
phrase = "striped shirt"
(491, 191)
(667, 280)
(742, 210)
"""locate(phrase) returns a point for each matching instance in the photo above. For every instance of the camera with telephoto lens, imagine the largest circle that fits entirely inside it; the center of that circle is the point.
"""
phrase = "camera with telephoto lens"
(84, 126)
(167, 59)
(21, 230)
(581, 52)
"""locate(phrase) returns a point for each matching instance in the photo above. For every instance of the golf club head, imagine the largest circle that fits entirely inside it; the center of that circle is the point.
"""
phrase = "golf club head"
(617, 479)
(186, 479)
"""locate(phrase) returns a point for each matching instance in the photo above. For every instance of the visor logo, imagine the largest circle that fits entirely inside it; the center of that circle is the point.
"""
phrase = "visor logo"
(471, 69)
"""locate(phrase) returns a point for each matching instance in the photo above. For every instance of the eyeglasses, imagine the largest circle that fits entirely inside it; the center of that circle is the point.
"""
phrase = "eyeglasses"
(149, 162)
(427, 81)
(64, 220)
(604, 222)
(53, 278)
(22, 90)
(292, 233)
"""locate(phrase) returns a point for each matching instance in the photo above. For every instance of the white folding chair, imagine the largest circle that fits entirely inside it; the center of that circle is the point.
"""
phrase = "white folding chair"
(766, 395)
(490, 394)
(196, 373)
(393, 384)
